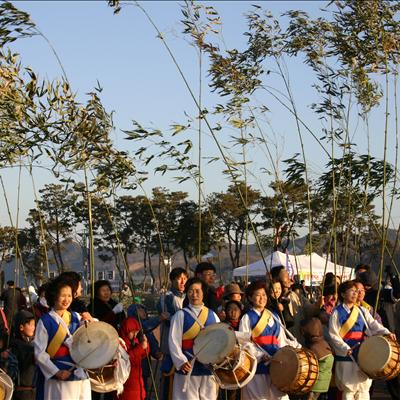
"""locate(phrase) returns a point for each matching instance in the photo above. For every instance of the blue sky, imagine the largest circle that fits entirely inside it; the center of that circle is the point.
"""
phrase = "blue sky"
(141, 83)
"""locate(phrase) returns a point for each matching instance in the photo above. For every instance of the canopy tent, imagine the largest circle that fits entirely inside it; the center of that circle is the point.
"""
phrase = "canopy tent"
(300, 265)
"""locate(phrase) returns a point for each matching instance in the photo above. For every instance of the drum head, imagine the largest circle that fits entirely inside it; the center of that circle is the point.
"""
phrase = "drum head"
(284, 367)
(94, 345)
(6, 386)
(374, 354)
(214, 343)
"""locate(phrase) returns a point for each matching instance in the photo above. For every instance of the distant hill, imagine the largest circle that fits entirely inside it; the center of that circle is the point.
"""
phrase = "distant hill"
(74, 259)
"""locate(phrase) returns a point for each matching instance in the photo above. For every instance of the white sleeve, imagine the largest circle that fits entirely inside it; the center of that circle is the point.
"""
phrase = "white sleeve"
(283, 337)
(373, 326)
(42, 357)
(175, 340)
(216, 318)
(340, 347)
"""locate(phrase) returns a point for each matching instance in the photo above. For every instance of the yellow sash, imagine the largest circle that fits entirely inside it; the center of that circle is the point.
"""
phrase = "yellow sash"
(261, 324)
(194, 330)
(346, 327)
(59, 337)
(366, 305)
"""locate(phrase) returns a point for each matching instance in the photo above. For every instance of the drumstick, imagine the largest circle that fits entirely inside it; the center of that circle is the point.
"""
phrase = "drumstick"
(87, 334)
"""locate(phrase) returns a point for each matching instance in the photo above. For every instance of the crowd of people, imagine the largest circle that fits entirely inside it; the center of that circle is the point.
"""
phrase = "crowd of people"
(331, 321)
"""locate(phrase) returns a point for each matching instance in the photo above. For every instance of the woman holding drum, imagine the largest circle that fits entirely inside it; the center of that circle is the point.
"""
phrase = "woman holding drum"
(192, 380)
(349, 326)
(53, 338)
(267, 335)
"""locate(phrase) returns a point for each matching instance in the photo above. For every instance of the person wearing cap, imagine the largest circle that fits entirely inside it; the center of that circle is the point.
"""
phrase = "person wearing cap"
(232, 292)
(22, 347)
(192, 380)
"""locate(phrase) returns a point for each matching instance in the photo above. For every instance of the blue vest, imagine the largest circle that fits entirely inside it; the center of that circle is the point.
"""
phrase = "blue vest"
(268, 340)
(52, 326)
(355, 335)
(199, 369)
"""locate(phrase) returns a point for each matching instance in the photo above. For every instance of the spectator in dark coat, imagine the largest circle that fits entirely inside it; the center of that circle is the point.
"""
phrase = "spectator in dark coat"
(22, 347)
(104, 307)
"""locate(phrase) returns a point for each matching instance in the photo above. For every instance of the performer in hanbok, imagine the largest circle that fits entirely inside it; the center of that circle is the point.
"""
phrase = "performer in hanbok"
(267, 335)
(63, 380)
(349, 325)
(192, 380)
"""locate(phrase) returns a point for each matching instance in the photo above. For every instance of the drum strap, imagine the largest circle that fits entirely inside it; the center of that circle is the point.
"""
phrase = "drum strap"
(261, 324)
(198, 323)
(346, 327)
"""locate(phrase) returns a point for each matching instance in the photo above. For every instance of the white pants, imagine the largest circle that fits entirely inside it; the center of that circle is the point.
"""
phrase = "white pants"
(55, 389)
(261, 388)
(352, 381)
(198, 388)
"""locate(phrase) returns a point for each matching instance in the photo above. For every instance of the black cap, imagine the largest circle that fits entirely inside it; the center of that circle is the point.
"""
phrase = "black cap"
(204, 266)
(22, 317)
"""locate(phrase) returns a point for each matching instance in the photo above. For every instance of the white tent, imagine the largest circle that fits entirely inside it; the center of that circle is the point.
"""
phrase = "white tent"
(258, 268)
(300, 265)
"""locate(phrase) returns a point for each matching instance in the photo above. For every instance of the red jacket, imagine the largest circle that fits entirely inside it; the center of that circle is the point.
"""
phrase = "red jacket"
(134, 386)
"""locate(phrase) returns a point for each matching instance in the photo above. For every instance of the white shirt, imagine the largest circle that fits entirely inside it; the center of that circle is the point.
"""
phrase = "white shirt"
(176, 332)
(245, 326)
(340, 347)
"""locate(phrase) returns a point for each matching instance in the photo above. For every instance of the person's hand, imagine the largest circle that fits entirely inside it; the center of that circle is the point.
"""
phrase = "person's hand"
(86, 316)
(222, 315)
(164, 315)
(118, 308)
(280, 307)
(186, 367)
(63, 375)
(349, 352)
(144, 343)
(265, 358)
(392, 336)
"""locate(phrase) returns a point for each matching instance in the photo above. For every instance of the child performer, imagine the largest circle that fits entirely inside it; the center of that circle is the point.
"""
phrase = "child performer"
(348, 326)
(267, 335)
(53, 338)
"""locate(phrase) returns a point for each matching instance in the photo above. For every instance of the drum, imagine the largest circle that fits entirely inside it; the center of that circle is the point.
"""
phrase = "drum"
(379, 357)
(231, 364)
(237, 370)
(6, 386)
(294, 371)
(96, 348)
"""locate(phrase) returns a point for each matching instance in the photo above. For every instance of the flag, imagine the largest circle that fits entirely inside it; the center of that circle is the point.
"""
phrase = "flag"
(289, 266)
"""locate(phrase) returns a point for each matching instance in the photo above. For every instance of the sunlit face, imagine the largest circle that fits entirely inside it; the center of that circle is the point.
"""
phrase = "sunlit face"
(235, 297)
(208, 276)
(195, 294)
(232, 312)
(350, 295)
(259, 299)
(28, 329)
(361, 292)
(64, 299)
(284, 278)
(104, 293)
(179, 283)
(277, 289)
